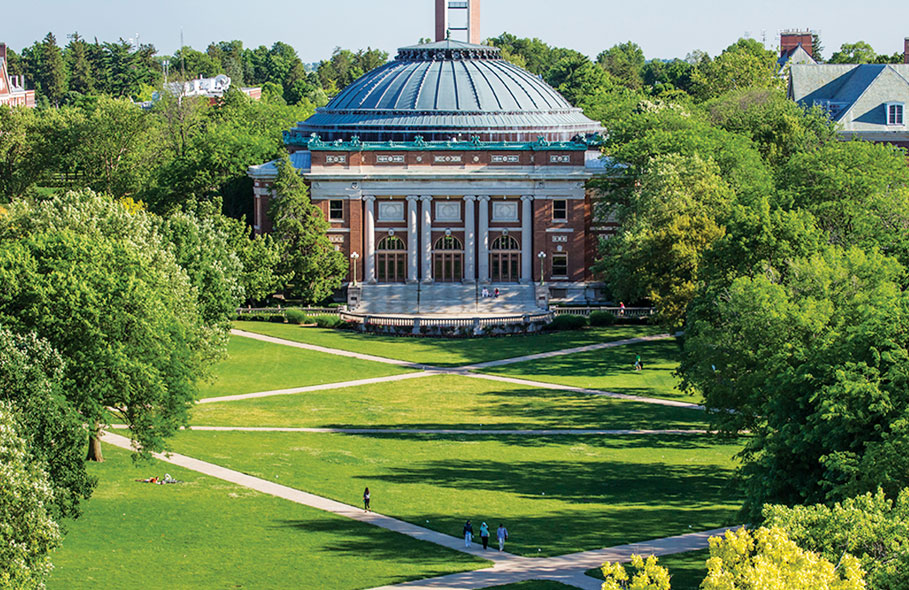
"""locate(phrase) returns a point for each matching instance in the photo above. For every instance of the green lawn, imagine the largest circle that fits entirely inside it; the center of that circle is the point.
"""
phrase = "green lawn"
(686, 570)
(610, 369)
(254, 366)
(446, 401)
(206, 533)
(555, 494)
(445, 352)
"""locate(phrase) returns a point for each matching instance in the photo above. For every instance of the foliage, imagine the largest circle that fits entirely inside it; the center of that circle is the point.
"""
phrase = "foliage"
(871, 527)
(648, 575)
(295, 316)
(31, 380)
(103, 288)
(625, 62)
(537, 56)
(602, 318)
(779, 127)
(330, 321)
(857, 190)
(568, 322)
(576, 77)
(854, 53)
(28, 534)
(314, 265)
(768, 559)
(669, 221)
(345, 66)
(21, 158)
(812, 357)
(744, 64)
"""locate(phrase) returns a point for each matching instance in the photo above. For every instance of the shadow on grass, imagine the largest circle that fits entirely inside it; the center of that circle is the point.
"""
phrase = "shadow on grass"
(375, 543)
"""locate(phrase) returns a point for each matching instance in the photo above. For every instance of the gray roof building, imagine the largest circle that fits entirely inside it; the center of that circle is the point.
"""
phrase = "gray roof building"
(866, 100)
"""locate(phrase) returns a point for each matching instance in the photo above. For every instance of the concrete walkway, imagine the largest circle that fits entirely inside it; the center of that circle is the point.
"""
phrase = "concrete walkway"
(321, 387)
(584, 390)
(508, 568)
(326, 350)
(565, 351)
(450, 431)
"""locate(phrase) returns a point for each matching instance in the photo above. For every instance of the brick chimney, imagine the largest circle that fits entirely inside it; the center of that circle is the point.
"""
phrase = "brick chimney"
(441, 20)
(789, 40)
(906, 51)
(3, 51)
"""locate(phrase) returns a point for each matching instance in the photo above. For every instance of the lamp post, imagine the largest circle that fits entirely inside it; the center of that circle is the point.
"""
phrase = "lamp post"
(354, 257)
(542, 257)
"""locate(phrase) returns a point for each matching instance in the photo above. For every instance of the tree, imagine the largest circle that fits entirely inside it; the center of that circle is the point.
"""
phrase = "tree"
(768, 560)
(872, 527)
(31, 381)
(80, 75)
(779, 127)
(812, 357)
(20, 161)
(28, 534)
(854, 53)
(576, 77)
(670, 220)
(314, 266)
(744, 64)
(857, 190)
(624, 61)
(51, 74)
(664, 75)
(96, 281)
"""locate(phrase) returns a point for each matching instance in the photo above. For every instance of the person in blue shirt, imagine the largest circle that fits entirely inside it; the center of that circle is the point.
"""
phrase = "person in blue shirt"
(484, 535)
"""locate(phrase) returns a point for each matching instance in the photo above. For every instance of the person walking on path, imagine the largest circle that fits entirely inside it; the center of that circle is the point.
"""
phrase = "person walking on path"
(484, 535)
(468, 534)
(366, 499)
(638, 365)
(502, 534)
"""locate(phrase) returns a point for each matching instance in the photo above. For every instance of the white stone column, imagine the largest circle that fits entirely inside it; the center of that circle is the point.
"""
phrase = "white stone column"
(470, 239)
(483, 240)
(526, 239)
(369, 241)
(427, 239)
(413, 240)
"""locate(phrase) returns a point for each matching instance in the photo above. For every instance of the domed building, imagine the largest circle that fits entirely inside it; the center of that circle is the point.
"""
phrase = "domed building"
(449, 172)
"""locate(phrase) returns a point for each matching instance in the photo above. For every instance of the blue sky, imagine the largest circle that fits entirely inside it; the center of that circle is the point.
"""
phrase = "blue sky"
(663, 28)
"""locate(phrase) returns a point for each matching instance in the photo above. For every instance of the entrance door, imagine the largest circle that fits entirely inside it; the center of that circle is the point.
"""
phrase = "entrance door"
(391, 260)
(448, 260)
(505, 260)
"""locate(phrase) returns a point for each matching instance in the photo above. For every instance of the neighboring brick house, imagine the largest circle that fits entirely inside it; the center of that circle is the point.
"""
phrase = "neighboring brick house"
(12, 88)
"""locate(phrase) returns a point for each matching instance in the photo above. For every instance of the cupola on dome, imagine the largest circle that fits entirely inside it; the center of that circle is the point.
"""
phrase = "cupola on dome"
(449, 90)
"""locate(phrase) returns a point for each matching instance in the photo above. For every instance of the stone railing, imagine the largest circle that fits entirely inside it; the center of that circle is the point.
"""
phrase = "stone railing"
(241, 311)
(619, 312)
(448, 326)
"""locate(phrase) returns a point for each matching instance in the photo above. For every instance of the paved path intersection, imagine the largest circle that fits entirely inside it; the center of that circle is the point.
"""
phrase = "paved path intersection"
(507, 568)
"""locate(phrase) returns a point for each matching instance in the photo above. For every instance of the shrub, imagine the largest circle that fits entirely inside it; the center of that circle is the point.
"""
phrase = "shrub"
(276, 318)
(568, 322)
(602, 318)
(329, 321)
(295, 316)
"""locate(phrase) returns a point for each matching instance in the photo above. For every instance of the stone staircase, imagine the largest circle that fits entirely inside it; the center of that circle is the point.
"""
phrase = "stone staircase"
(445, 299)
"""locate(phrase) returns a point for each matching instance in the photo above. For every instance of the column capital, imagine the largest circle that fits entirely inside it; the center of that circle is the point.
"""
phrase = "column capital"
(412, 198)
(483, 198)
(470, 198)
(526, 198)
(426, 199)
(369, 198)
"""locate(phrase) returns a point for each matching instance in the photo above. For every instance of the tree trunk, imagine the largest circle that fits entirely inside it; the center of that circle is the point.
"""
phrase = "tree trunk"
(94, 446)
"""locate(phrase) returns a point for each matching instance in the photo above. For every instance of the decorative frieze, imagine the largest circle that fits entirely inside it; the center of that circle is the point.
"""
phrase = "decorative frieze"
(448, 211)
(501, 159)
(391, 211)
(385, 159)
(449, 159)
(336, 158)
(504, 211)
(560, 159)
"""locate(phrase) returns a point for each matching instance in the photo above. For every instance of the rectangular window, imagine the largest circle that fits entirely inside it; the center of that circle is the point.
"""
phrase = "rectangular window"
(559, 265)
(336, 210)
(560, 210)
(894, 113)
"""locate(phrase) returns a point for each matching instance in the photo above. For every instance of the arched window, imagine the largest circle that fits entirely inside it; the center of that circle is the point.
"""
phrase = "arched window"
(505, 243)
(449, 243)
(391, 243)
